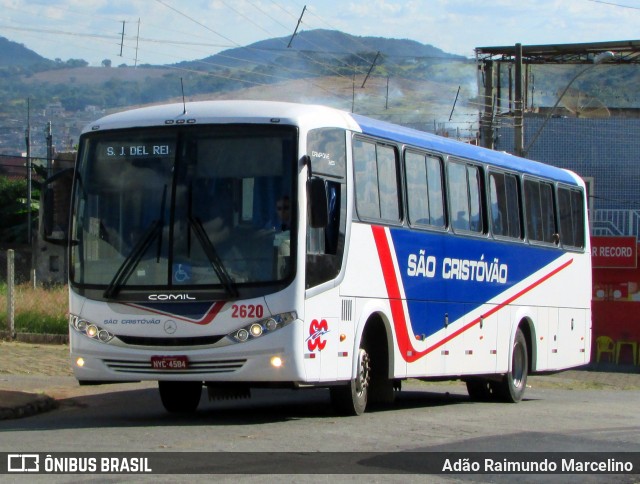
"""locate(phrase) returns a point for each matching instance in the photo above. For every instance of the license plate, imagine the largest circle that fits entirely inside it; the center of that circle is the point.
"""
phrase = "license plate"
(169, 362)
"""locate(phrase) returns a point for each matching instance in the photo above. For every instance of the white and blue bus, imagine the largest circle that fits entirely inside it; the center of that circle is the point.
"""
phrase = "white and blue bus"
(238, 244)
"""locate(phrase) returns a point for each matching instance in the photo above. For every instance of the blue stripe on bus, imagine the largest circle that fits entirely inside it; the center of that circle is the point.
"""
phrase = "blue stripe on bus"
(432, 142)
(454, 275)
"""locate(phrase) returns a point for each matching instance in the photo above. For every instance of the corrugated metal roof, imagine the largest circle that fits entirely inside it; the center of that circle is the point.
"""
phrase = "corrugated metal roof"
(626, 52)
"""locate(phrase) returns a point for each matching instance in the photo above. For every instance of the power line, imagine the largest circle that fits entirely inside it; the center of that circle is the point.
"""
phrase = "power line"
(197, 22)
(226, 38)
(191, 43)
(614, 4)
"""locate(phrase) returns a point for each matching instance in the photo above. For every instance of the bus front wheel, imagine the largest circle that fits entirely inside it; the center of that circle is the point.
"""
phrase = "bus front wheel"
(352, 399)
(180, 396)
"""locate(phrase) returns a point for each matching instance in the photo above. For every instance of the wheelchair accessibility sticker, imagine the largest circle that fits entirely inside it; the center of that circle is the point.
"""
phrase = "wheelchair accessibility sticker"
(181, 273)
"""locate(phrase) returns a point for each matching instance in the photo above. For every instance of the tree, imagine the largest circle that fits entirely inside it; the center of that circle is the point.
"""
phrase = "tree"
(73, 63)
(13, 210)
(106, 63)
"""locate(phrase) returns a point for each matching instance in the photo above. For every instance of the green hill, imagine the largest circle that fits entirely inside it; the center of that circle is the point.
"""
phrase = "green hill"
(13, 54)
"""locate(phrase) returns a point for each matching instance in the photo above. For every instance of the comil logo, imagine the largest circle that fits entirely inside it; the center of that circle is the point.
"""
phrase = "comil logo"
(170, 297)
(23, 463)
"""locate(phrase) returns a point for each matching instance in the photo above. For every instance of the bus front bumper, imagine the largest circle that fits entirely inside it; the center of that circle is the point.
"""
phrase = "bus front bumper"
(267, 359)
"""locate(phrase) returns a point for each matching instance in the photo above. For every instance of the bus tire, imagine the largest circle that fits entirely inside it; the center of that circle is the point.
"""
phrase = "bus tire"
(352, 399)
(180, 396)
(511, 388)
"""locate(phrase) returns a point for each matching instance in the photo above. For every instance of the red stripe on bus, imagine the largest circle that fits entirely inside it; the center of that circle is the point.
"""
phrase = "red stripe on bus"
(397, 310)
(393, 290)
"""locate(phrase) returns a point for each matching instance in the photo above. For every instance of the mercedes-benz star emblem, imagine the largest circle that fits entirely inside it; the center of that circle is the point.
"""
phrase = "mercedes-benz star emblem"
(170, 326)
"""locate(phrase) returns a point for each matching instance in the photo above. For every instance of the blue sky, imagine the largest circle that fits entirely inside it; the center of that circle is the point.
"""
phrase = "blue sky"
(175, 30)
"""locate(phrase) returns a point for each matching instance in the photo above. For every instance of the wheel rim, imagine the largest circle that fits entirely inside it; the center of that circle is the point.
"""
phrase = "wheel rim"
(364, 372)
(518, 365)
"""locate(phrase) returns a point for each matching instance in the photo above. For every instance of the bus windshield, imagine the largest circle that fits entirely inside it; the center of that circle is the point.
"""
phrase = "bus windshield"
(186, 207)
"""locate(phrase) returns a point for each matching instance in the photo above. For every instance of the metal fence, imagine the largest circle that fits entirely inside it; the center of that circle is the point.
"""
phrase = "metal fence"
(615, 222)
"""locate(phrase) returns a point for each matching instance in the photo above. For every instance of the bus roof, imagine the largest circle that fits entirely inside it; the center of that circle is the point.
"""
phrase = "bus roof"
(310, 116)
(440, 144)
(212, 112)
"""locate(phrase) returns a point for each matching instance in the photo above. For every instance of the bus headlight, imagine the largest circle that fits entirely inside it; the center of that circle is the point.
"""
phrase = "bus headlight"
(89, 329)
(264, 326)
(242, 335)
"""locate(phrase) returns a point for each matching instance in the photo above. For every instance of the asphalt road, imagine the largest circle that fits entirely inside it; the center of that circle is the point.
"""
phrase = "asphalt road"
(570, 412)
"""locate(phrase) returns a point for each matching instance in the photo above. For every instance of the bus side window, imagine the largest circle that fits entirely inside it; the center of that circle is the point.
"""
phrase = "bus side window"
(541, 223)
(571, 208)
(325, 245)
(548, 217)
(465, 197)
(388, 183)
(505, 205)
(367, 199)
(424, 189)
(376, 172)
(475, 198)
(458, 196)
(436, 191)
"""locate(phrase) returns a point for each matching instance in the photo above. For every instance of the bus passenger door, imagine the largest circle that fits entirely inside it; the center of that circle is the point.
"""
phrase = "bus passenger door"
(322, 332)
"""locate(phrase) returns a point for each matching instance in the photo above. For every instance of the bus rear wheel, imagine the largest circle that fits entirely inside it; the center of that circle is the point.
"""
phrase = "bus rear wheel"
(511, 388)
(180, 396)
(352, 399)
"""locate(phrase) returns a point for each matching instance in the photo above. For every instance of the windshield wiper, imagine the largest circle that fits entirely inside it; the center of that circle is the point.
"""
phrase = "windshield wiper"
(138, 250)
(125, 270)
(214, 259)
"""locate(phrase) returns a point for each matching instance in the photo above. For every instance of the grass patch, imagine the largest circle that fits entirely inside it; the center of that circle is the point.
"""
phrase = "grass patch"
(37, 310)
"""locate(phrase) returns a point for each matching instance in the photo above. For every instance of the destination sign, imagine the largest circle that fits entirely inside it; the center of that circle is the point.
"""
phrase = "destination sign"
(140, 150)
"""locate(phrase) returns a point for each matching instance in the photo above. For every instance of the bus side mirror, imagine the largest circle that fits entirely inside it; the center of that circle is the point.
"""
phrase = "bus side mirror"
(55, 203)
(318, 205)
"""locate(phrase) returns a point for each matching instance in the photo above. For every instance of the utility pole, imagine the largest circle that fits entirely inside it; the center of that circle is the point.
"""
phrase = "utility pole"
(27, 139)
(297, 26)
(386, 102)
(135, 65)
(518, 118)
(455, 101)
(370, 69)
(353, 91)
(122, 39)
(487, 116)
(49, 138)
